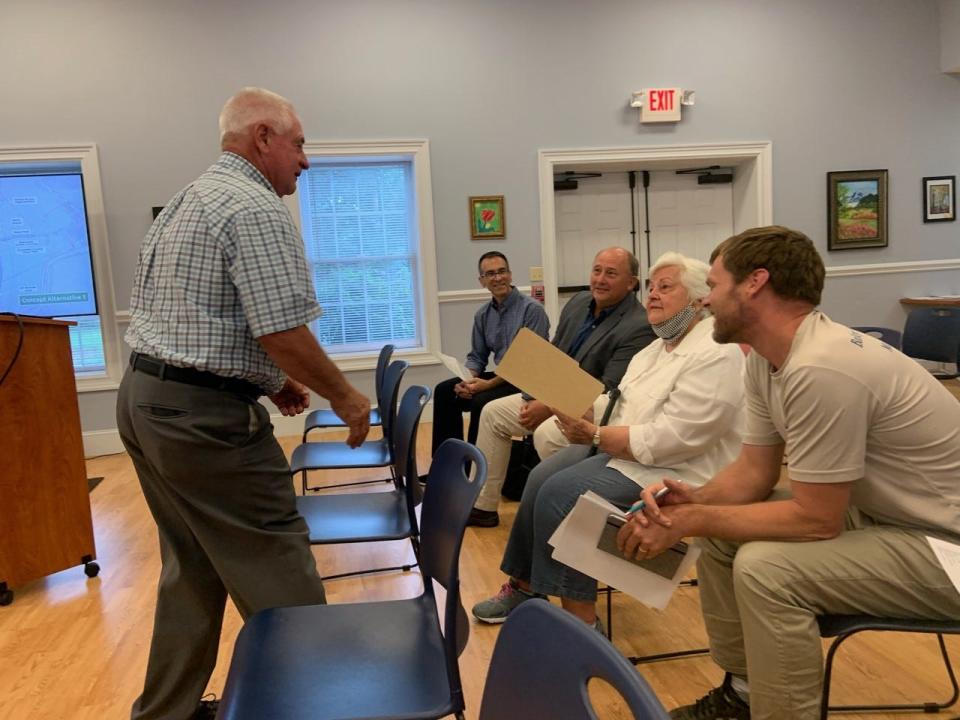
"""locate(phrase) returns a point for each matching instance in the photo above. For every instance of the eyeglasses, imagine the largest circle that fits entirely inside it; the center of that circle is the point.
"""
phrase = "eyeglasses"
(491, 274)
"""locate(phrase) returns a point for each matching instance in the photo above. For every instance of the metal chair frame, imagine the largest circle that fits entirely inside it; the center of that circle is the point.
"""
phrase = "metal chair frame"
(842, 627)
(657, 657)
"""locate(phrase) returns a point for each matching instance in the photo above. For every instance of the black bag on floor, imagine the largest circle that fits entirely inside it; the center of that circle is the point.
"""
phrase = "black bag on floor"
(523, 459)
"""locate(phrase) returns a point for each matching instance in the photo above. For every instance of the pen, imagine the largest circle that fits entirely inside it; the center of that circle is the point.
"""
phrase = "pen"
(640, 504)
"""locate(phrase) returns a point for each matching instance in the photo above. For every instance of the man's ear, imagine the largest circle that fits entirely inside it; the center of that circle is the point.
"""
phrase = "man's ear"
(261, 135)
(756, 281)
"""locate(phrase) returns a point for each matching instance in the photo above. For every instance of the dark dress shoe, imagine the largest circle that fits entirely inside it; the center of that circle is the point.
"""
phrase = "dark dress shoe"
(207, 710)
(483, 518)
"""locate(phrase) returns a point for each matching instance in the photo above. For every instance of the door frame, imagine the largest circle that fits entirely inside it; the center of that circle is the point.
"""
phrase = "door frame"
(752, 186)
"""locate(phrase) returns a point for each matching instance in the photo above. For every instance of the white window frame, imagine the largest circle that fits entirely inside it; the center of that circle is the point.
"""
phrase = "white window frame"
(86, 155)
(417, 152)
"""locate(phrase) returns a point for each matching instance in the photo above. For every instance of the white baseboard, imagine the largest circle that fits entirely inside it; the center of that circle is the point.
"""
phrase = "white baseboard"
(101, 442)
(107, 442)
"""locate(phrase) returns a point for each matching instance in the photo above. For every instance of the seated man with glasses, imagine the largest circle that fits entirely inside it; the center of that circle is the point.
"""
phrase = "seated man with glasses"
(494, 327)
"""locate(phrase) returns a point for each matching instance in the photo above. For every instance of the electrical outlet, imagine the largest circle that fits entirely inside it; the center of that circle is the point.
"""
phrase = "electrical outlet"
(536, 273)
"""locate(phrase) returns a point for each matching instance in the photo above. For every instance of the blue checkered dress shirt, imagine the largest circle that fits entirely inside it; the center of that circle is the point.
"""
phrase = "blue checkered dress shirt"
(222, 265)
(495, 326)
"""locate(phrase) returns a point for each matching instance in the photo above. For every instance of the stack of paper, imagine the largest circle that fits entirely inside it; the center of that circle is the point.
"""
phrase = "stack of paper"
(575, 543)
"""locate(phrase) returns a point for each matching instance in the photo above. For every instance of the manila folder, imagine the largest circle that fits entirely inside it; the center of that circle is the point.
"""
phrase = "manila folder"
(547, 373)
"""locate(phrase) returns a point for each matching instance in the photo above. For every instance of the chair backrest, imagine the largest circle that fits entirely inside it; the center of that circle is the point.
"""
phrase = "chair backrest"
(932, 333)
(391, 393)
(888, 335)
(383, 361)
(447, 502)
(405, 441)
(542, 662)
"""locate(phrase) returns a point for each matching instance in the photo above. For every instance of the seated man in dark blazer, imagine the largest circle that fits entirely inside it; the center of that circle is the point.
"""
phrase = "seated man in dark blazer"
(602, 329)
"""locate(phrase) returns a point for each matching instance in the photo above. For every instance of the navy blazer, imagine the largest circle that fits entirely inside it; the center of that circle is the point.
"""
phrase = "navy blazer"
(608, 350)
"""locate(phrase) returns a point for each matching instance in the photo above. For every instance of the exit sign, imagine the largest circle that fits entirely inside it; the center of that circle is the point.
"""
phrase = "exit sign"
(661, 105)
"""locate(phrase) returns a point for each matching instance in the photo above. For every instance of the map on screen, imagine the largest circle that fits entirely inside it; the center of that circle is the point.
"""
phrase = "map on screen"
(45, 261)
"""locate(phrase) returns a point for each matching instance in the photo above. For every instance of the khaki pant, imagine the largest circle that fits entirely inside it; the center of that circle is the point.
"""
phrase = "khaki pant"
(499, 424)
(761, 600)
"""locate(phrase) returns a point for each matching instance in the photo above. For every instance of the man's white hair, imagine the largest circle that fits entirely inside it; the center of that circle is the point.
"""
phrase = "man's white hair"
(693, 273)
(253, 105)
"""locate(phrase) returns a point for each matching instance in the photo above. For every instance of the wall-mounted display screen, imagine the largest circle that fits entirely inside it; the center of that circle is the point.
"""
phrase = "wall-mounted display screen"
(46, 266)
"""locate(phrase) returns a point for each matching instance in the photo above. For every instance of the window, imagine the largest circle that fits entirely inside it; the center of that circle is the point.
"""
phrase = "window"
(361, 211)
(86, 344)
(91, 340)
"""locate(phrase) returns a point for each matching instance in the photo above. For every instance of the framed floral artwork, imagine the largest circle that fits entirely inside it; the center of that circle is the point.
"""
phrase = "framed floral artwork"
(857, 209)
(487, 219)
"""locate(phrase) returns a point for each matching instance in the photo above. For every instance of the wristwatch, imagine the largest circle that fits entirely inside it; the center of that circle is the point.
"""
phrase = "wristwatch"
(596, 437)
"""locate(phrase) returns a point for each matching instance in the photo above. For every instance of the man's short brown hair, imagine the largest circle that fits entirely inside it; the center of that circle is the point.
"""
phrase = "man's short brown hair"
(795, 267)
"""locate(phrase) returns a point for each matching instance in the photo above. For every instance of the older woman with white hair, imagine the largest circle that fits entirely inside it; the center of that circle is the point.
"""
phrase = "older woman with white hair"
(677, 415)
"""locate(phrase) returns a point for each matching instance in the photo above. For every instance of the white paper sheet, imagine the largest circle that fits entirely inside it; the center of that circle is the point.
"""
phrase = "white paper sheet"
(575, 544)
(454, 366)
(949, 556)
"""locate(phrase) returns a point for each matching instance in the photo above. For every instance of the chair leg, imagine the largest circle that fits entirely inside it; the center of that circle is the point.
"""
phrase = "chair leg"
(926, 707)
(405, 568)
(643, 659)
(610, 614)
(414, 542)
(318, 488)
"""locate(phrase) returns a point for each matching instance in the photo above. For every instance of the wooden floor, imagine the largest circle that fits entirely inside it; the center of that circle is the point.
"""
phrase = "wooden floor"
(76, 649)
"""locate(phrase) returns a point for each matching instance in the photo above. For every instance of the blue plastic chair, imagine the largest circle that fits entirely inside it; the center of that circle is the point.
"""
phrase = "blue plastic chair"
(374, 659)
(542, 662)
(933, 333)
(335, 455)
(888, 335)
(375, 516)
(327, 418)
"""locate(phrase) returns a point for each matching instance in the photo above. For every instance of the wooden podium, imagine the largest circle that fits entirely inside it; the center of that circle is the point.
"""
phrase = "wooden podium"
(45, 523)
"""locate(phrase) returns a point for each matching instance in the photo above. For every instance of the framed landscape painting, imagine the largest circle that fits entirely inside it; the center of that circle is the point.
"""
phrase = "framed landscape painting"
(938, 199)
(857, 209)
(487, 219)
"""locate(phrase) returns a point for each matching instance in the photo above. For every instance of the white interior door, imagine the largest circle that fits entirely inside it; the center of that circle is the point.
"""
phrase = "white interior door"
(594, 216)
(686, 217)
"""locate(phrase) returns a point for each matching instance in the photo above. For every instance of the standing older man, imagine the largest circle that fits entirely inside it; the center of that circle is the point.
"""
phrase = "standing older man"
(874, 461)
(220, 308)
(601, 329)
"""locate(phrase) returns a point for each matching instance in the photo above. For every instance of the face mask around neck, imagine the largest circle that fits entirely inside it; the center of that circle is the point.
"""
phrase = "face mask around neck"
(672, 329)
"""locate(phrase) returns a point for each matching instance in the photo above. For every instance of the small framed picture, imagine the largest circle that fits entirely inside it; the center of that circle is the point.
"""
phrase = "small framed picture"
(938, 199)
(487, 219)
(857, 209)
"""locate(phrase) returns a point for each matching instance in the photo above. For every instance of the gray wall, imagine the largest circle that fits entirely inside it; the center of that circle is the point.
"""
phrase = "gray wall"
(834, 84)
